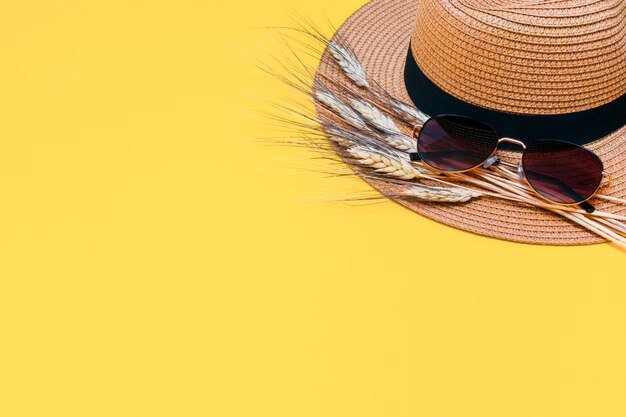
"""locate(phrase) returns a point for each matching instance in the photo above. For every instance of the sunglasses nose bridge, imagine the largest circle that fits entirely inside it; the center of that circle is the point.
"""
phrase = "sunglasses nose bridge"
(518, 167)
(514, 141)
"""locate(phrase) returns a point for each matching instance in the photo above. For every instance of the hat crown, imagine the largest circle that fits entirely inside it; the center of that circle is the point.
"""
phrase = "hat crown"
(524, 56)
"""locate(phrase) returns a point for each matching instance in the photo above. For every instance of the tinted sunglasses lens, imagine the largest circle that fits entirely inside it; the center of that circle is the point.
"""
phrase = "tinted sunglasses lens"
(562, 172)
(456, 143)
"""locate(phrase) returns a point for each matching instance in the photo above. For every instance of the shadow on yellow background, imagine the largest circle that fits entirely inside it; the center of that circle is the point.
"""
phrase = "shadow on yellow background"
(156, 259)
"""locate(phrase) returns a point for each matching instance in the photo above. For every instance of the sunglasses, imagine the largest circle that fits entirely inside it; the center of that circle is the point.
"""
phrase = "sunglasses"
(558, 171)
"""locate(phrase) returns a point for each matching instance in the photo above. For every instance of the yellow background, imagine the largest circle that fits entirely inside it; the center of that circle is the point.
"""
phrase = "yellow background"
(157, 260)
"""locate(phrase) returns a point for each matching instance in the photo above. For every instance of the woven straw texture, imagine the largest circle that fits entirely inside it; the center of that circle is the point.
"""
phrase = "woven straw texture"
(524, 56)
(380, 33)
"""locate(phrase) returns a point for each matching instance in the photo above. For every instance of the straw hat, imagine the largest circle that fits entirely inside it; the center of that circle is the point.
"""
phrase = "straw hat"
(534, 69)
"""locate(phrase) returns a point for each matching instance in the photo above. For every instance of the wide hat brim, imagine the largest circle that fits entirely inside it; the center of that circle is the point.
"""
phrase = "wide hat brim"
(380, 33)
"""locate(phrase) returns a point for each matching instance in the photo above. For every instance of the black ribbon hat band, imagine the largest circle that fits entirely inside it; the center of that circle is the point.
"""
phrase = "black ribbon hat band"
(579, 127)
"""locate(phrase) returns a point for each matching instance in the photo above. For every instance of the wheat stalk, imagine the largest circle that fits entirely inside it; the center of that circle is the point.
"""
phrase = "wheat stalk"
(381, 121)
(402, 142)
(403, 170)
(405, 112)
(349, 63)
(374, 116)
(386, 165)
(347, 60)
(334, 103)
(441, 194)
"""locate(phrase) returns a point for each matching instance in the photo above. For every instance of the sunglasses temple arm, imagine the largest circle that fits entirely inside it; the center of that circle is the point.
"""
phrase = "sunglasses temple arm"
(588, 207)
(414, 157)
